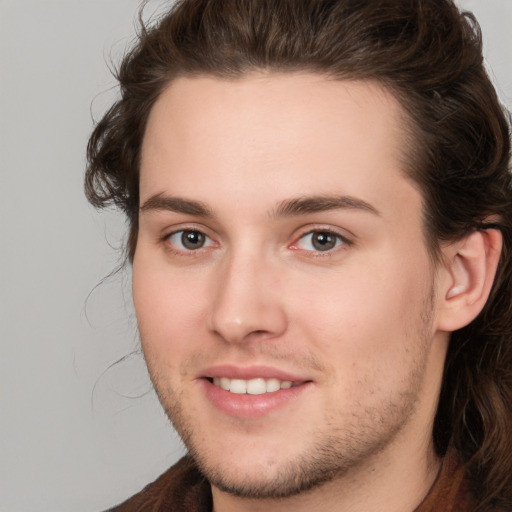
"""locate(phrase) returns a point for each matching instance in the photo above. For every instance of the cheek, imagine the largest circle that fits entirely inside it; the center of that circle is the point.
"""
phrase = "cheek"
(168, 308)
(367, 317)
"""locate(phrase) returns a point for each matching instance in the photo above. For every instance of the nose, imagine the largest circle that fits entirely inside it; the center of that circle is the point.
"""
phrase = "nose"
(247, 302)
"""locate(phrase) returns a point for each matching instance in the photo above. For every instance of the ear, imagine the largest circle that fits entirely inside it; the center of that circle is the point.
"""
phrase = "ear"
(465, 278)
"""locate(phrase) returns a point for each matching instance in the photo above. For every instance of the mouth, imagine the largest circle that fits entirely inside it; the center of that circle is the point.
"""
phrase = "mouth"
(252, 392)
(255, 386)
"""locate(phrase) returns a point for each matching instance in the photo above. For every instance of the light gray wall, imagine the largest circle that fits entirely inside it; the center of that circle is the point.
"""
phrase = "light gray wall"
(72, 435)
(71, 439)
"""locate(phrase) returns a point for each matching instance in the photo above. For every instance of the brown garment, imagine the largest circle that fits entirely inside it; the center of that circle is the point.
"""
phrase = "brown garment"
(182, 488)
(450, 491)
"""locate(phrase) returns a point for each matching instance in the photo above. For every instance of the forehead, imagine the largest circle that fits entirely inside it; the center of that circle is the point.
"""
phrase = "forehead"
(299, 133)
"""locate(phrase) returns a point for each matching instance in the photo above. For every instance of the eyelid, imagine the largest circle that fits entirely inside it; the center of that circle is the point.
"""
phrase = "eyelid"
(346, 240)
(166, 239)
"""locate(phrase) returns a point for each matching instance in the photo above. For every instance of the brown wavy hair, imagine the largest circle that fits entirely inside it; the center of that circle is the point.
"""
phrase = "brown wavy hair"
(429, 55)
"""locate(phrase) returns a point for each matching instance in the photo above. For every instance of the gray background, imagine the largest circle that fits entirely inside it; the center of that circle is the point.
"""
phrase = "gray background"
(75, 433)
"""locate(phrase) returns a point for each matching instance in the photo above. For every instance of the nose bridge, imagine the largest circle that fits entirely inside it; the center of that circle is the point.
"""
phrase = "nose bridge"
(246, 299)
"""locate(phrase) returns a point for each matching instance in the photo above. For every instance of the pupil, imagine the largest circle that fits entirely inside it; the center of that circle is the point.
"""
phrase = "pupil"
(192, 239)
(323, 241)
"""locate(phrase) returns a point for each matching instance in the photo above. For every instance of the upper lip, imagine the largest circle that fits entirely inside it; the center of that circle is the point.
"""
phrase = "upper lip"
(251, 372)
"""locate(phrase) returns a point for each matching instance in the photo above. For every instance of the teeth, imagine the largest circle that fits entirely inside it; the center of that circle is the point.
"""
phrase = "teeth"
(224, 383)
(273, 385)
(238, 386)
(256, 386)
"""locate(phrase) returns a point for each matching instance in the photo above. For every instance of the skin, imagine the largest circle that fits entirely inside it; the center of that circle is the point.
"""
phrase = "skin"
(359, 323)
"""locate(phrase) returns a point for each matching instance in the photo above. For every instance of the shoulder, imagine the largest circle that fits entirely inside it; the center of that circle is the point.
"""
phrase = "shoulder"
(181, 487)
(454, 491)
(450, 492)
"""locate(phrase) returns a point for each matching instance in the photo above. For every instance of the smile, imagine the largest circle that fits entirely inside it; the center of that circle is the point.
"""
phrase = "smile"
(257, 386)
(252, 392)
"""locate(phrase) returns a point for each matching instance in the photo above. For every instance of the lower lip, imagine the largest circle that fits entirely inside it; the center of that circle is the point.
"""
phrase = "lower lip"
(250, 406)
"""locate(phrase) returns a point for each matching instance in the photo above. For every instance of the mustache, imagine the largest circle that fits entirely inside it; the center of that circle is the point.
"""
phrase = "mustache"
(260, 354)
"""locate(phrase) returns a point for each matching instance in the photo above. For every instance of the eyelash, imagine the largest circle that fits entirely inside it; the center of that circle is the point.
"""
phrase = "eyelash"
(340, 240)
(181, 232)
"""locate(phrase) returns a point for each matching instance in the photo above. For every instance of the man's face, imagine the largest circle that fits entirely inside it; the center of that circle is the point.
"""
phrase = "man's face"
(280, 254)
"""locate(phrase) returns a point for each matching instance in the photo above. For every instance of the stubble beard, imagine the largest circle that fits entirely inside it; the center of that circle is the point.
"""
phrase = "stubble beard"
(334, 453)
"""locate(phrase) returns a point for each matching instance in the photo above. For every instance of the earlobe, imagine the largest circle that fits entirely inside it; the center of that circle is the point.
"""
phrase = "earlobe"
(469, 269)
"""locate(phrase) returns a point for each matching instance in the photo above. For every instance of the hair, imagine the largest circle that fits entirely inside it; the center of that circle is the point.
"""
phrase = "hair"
(429, 55)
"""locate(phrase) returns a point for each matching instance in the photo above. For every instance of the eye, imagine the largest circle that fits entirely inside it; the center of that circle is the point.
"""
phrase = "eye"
(321, 241)
(189, 240)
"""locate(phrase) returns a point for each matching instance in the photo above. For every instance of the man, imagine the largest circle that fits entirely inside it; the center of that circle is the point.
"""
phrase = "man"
(320, 233)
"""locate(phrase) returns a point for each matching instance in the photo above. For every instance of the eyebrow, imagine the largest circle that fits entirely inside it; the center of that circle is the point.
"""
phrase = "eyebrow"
(314, 204)
(161, 202)
(288, 208)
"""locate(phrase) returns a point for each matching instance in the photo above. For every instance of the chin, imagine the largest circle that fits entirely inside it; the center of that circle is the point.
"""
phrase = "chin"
(272, 480)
